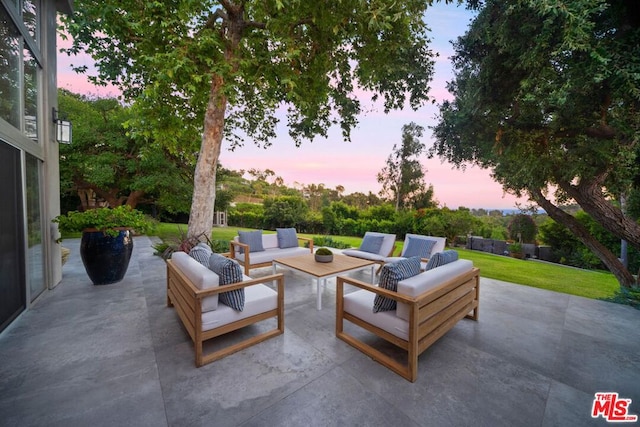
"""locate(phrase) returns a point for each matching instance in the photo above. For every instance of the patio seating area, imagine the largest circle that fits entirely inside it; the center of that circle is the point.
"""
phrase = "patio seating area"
(116, 355)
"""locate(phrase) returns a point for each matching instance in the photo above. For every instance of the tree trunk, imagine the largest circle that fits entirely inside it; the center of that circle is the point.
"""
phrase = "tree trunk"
(204, 181)
(625, 278)
(590, 198)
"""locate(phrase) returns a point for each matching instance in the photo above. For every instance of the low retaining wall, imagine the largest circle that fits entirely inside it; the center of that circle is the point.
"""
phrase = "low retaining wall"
(500, 247)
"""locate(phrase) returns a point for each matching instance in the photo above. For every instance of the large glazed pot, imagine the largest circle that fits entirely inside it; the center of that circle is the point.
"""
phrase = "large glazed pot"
(106, 258)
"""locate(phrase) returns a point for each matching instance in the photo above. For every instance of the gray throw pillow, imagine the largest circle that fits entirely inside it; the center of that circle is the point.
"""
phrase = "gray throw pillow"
(419, 247)
(371, 244)
(251, 238)
(390, 275)
(441, 258)
(287, 238)
(229, 271)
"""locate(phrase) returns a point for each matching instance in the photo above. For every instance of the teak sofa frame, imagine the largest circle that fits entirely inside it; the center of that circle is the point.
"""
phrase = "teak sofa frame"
(431, 315)
(187, 299)
(246, 256)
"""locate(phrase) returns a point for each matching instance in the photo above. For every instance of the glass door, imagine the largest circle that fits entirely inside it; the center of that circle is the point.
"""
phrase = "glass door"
(12, 260)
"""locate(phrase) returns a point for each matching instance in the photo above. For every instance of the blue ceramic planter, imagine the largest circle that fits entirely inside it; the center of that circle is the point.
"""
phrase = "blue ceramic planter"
(106, 258)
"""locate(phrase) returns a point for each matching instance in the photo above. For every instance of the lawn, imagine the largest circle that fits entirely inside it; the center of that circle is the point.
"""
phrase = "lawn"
(554, 277)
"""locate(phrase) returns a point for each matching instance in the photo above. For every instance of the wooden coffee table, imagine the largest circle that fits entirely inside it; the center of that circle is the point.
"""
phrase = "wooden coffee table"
(321, 271)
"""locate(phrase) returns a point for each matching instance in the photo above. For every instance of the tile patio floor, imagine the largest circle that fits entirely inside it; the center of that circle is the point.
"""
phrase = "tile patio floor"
(115, 355)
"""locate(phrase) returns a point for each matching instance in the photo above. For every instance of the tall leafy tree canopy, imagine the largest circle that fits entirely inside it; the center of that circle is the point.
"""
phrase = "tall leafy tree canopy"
(223, 68)
(547, 95)
(107, 165)
(402, 178)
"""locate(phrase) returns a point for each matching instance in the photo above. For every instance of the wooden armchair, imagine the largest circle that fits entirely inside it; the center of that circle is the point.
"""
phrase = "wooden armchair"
(443, 299)
(193, 290)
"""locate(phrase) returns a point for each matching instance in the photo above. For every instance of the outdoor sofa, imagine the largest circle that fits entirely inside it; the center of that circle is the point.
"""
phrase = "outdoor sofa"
(421, 309)
(254, 249)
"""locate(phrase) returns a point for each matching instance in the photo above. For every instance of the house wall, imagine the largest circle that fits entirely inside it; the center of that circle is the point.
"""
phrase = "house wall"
(28, 94)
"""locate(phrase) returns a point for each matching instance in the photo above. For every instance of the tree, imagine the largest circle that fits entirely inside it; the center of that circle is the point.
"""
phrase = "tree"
(403, 178)
(556, 119)
(106, 165)
(522, 228)
(224, 67)
(285, 211)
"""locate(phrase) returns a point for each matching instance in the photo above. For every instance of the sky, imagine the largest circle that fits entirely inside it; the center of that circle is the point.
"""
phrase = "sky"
(355, 164)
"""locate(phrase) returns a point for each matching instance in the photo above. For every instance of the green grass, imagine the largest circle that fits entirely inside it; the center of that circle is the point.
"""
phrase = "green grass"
(553, 277)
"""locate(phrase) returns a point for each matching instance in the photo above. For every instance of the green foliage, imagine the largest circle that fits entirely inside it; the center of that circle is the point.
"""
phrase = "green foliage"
(238, 63)
(522, 229)
(515, 248)
(323, 251)
(284, 211)
(312, 68)
(116, 165)
(105, 220)
(247, 215)
(556, 119)
(330, 242)
(626, 296)
(402, 178)
(567, 249)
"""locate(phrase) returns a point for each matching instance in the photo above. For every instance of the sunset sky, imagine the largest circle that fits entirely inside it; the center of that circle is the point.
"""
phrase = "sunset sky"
(355, 164)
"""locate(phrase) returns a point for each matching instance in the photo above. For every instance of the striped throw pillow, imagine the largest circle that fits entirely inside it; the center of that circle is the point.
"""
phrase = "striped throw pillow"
(229, 272)
(390, 275)
(201, 253)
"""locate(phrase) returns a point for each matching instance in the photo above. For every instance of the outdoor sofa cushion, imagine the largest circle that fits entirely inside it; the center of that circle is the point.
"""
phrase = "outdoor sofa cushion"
(199, 275)
(251, 238)
(442, 258)
(438, 246)
(418, 247)
(258, 299)
(424, 281)
(287, 238)
(359, 304)
(388, 240)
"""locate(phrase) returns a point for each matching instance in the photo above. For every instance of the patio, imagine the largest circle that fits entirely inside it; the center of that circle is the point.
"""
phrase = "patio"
(115, 355)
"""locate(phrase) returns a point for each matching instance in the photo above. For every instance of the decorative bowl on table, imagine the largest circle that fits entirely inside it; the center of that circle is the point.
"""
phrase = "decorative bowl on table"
(323, 255)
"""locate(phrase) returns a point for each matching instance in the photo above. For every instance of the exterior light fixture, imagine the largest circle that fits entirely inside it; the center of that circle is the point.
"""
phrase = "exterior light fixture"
(63, 129)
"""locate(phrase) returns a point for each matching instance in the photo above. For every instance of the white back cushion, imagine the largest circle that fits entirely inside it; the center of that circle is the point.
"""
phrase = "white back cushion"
(199, 275)
(269, 241)
(429, 279)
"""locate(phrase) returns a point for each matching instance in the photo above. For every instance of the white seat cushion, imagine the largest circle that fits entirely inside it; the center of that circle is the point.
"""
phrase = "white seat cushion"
(362, 254)
(360, 305)
(416, 285)
(258, 299)
(269, 255)
(199, 275)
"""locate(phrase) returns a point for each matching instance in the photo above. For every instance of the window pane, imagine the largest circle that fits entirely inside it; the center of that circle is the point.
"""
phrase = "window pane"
(35, 254)
(29, 16)
(30, 95)
(10, 47)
